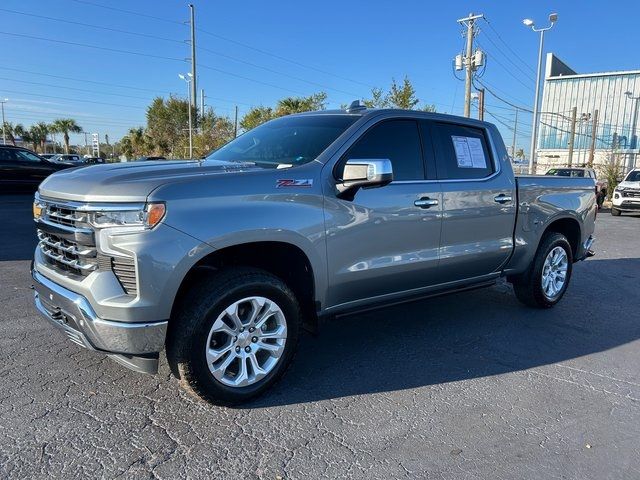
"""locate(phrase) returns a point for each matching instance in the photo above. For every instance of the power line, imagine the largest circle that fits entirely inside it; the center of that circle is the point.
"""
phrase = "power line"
(99, 27)
(76, 100)
(508, 70)
(528, 75)
(131, 52)
(507, 45)
(483, 83)
(121, 10)
(97, 47)
(227, 39)
(130, 87)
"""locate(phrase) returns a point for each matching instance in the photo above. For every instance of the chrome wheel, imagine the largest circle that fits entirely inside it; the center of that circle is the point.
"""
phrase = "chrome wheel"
(246, 341)
(554, 272)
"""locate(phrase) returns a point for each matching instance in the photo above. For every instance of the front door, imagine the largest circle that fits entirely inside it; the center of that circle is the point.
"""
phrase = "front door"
(479, 202)
(386, 240)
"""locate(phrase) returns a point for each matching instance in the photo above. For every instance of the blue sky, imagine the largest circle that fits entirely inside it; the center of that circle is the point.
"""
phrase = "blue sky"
(343, 48)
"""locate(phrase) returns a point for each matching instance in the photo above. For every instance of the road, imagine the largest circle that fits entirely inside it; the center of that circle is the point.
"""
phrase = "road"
(467, 386)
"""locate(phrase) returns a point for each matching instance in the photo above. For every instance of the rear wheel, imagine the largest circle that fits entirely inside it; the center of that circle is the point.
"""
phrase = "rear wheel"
(234, 337)
(546, 281)
(615, 212)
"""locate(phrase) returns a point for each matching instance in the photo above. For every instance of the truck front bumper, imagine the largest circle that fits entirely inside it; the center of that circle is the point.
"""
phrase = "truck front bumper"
(135, 345)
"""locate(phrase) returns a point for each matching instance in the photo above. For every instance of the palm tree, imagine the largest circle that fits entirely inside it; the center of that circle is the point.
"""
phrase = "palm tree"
(38, 136)
(9, 131)
(520, 153)
(66, 126)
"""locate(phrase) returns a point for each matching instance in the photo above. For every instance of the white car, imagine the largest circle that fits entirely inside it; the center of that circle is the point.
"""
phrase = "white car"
(626, 196)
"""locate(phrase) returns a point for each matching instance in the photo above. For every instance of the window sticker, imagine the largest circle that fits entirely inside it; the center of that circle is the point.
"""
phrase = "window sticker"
(469, 152)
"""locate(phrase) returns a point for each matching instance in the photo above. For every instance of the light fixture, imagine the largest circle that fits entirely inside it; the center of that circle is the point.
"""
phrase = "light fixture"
(528, 22)
(553, 18)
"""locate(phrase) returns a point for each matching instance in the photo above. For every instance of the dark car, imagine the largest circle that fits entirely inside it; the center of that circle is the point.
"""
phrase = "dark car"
(21, 168)
(148, 159)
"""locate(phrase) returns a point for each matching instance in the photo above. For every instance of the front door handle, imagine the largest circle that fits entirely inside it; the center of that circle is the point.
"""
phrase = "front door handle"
(426, 202)
(502, 198)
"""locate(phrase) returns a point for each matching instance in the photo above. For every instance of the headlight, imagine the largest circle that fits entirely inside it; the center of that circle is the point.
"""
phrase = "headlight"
(148, 217)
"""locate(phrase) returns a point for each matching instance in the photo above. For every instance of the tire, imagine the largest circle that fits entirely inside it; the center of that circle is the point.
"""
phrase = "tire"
(529, 287)
(615, 212)
(201, 321)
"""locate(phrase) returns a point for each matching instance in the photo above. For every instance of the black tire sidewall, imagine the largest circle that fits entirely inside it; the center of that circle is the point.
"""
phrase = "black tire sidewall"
(196, 357)
(553, 241)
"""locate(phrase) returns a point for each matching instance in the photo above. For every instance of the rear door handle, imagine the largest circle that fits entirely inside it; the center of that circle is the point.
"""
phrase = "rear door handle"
(426, 202)
(502, 198)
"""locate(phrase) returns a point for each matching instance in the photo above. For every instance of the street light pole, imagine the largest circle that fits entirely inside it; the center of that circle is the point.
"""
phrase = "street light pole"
(553, 18)
(4, 132)
(189, 78)
(634, 124)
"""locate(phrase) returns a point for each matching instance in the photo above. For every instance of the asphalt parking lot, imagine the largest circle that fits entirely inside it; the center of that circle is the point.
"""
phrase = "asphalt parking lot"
(466, 386)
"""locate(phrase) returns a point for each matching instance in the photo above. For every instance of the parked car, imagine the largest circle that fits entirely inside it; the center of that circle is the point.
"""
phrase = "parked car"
(93, 160)
(601, 185)
(308, 216)
(626, 196)
(69, 159)
(21, 168)
(48, 156)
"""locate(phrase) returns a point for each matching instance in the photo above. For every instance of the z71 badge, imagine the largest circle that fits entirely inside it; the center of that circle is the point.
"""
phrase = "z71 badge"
(290, 182)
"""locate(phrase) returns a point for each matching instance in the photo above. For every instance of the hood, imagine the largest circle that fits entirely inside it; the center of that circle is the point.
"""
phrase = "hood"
(629, 185)
(130, 181)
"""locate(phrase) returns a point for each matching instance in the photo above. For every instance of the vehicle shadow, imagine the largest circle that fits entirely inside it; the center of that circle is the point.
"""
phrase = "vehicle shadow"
(18, 232)
(462, 336)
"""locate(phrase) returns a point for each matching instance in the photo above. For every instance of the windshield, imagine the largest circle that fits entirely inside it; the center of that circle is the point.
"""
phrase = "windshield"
(633, 176)
(285, 142)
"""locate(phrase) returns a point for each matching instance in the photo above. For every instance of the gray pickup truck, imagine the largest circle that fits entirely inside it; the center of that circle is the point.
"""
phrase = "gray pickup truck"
(222, 262)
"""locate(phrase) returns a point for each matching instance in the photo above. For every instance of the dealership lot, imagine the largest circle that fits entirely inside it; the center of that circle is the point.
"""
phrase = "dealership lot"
(471, 385)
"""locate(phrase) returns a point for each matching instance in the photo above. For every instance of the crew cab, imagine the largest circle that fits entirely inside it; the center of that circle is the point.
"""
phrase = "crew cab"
(626, 196)
(221, 262)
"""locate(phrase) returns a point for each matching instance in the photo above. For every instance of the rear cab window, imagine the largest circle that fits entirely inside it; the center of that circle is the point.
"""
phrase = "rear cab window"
(462, 152)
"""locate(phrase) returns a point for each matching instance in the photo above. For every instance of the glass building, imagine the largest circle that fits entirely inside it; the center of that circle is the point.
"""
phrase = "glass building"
(606, 107)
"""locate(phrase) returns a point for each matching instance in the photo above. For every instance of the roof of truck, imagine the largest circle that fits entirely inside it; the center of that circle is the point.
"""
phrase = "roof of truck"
(369, 112)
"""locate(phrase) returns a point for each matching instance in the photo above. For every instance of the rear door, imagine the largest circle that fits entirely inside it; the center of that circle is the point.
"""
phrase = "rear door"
(386, 240)
(479, 201)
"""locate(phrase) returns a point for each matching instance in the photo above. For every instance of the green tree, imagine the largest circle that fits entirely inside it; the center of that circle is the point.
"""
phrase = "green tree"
(520, 153)
(10, 131)
(378, 99)
(256, 116)
(66, 126)
(213, 132)
(135, 143)
(38, 136)
(399, 96)
(168, 124)
(285, 106)
(402, 96)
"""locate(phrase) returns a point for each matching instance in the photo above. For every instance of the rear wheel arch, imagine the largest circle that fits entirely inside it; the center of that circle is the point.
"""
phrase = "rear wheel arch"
(570, 228)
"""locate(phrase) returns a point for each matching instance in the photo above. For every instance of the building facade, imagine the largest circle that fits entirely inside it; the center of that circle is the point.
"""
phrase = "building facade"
(606, 118)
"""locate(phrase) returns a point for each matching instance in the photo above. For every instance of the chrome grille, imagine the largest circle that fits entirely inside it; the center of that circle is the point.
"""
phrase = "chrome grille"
(59, 228)
(631, 193)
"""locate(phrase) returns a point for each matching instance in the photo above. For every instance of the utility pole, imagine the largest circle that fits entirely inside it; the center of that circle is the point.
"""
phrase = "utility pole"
(594, 129)
(513, 144)
(470, 66)
(86, 143)
(193, 56)
(235, 124)
(4, 132)
(572, 135)
(481, 104)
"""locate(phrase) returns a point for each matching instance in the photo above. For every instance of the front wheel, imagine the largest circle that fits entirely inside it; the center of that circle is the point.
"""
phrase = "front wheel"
(234, 336)
(615, 212)
(547, 279)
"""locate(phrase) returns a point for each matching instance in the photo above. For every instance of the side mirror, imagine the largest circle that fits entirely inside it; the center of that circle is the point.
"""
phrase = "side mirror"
(364, 173)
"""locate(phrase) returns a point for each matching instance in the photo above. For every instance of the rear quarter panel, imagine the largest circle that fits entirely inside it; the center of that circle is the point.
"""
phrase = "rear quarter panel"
(543, 200)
